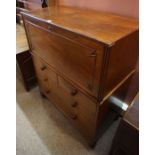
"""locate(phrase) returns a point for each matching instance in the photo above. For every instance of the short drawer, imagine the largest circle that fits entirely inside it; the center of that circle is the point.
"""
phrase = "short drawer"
(75, 61)
(44, 74)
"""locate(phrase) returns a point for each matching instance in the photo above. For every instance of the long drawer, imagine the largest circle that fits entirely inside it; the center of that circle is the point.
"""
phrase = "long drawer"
(71, 59)
(75, 105)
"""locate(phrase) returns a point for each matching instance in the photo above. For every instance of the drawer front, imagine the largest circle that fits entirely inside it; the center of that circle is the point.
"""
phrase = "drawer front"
(43, 70)
(71, 59)
(82, 109)
(44, 75)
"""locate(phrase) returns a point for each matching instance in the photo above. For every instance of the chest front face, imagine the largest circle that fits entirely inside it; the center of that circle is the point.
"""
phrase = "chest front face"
(76, 60)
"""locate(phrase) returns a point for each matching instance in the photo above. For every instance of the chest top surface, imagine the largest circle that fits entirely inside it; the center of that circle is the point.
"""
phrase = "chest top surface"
(103, 27)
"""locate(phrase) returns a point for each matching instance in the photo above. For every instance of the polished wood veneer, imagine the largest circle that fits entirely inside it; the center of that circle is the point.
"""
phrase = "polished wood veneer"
(80, 57)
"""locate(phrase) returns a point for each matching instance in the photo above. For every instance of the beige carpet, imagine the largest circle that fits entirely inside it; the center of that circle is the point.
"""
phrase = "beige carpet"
(43, 130)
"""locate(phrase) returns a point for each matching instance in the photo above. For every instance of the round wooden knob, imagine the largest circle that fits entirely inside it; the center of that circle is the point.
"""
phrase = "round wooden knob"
(48, 91)
(74, 104)
(46, 79)
(43, 67)
(74, 92)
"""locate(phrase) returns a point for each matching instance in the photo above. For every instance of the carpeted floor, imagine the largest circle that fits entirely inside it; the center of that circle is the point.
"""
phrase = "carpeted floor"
(43, 130)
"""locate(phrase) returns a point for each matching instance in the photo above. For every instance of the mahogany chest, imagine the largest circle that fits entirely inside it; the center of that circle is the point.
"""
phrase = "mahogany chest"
(80, 58)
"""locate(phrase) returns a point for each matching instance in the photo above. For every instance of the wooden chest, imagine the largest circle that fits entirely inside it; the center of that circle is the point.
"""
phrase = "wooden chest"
(80, 58)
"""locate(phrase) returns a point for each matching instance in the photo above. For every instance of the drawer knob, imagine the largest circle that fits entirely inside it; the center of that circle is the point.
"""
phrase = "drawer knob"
(48, 91)
(74, 116)
(46, 79)
(74, 104)
(43, 67)
(74, 92)
(93, 54)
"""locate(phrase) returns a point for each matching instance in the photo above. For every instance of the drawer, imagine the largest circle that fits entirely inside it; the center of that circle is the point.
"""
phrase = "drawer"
(82, 111)
(77, 62)
(43, 70)
(44, 74)
(86, 112)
